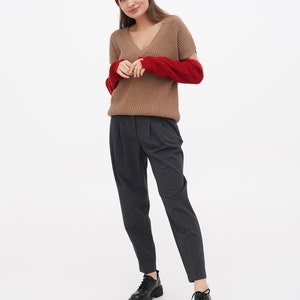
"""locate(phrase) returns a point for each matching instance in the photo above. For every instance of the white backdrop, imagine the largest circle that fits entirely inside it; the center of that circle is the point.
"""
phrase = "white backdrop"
(61, 233)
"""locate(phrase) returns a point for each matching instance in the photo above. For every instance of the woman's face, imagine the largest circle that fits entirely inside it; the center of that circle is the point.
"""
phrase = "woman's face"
(134, 8)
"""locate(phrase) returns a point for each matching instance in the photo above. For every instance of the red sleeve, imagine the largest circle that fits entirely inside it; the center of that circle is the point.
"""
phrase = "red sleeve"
(185, 71)
(113, 78)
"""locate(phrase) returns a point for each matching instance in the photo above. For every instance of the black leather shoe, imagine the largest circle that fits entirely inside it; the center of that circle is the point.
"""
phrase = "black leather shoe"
(148, 289)
(202, 295)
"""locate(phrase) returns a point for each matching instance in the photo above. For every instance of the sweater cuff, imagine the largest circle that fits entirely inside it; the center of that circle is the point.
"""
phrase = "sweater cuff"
(113, 70)
(113, 78)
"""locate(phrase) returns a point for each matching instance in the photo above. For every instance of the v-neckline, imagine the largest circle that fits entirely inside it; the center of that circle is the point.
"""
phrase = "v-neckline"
(151, 42)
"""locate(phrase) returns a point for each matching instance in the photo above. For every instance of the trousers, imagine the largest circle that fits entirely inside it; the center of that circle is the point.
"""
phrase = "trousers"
(135, 141)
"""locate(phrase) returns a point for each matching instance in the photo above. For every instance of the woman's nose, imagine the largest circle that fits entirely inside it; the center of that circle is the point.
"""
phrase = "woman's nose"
(130, 2)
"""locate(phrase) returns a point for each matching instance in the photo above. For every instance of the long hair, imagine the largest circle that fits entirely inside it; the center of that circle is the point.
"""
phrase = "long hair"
(154, 12)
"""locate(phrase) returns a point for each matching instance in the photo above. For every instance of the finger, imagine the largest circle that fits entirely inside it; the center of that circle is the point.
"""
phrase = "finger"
(120, 71)
(123, 70)
(125, 66)
(123, 75)
(133, 66)
(134, 72)
(137, 71)
(131, 70)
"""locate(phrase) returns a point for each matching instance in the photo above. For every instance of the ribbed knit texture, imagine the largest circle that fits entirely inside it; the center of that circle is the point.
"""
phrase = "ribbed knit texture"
(150, 95)
(113, 78)
(186, 71)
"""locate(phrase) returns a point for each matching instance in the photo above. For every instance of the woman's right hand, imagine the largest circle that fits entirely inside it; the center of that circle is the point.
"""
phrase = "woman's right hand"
(124, 68)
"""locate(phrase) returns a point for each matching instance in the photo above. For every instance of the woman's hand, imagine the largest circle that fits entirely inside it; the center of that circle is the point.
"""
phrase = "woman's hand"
(124, 68)
(136, 69)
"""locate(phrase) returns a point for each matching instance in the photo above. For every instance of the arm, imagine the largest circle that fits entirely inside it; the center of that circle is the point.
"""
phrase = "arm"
(113, 78)
(186, 71)
(117, 71)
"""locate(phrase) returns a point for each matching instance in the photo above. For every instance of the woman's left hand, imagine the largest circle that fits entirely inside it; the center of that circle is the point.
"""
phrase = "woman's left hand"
(136, 69)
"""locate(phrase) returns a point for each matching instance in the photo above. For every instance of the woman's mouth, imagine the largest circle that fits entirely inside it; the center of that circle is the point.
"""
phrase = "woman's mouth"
(132, 11)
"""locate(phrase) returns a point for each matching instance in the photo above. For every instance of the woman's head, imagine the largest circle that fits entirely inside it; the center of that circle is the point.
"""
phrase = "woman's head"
(130, 10)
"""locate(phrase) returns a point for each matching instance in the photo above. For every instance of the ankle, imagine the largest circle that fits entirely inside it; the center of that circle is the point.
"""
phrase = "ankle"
(203, 291)
(153, 275)
(201, 286)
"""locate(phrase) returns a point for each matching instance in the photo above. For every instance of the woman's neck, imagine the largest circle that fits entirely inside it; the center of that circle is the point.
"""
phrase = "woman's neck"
(142, 23)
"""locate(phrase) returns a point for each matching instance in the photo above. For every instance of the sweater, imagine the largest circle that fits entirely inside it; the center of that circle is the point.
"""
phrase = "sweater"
(150, 94)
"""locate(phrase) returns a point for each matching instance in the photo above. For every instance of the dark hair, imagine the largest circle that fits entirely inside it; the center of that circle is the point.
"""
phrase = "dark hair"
(154, 12)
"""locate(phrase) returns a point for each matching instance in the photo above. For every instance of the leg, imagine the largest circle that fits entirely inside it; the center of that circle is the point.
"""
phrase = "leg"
(163, 148)
(130, 170)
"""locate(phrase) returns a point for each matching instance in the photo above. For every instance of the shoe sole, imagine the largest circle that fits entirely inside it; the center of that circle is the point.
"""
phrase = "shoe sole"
(157, 292)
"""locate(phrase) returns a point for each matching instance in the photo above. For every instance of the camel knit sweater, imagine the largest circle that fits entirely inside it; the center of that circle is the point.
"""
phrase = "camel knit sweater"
(150, 95)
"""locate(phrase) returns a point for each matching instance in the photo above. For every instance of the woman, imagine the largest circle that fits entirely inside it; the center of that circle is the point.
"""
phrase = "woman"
(150, 54)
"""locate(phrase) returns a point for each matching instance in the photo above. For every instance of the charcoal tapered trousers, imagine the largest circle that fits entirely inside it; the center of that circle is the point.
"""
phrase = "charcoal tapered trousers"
(135, 140)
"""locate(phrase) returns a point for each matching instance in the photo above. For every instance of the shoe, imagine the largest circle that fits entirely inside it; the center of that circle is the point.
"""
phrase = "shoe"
(202, 295)
(148, 289)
